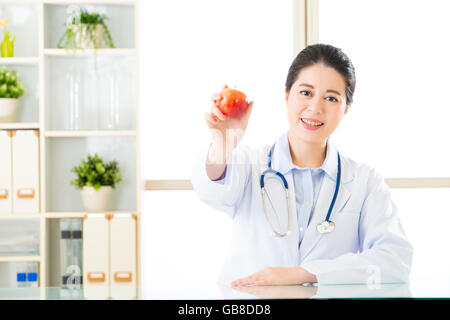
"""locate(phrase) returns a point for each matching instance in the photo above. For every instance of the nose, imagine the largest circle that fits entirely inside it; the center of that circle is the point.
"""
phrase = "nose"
(316, 105)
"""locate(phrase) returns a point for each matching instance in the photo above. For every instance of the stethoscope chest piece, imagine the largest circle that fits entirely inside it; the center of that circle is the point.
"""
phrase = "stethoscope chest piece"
(326, 226)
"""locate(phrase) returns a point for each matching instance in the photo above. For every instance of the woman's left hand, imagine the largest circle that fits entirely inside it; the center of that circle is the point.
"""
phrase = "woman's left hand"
(276, 276)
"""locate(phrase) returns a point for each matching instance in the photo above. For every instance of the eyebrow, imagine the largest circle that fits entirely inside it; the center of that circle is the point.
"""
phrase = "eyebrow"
(312, 87)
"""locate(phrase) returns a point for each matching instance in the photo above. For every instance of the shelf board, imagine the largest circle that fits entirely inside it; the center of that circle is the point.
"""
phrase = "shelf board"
(116, 2)
(20, 216)
(59, 215)
(19, 60)
(20, 258)
(89, 52)
(93, 133)
(20, 125)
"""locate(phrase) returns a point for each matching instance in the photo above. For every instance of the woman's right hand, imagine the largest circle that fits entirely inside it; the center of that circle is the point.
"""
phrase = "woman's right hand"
(222, 126)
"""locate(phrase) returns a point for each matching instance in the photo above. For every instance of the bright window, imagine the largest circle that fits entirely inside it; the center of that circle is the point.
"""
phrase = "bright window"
(424, 214)
(189, 50)
(399, 120)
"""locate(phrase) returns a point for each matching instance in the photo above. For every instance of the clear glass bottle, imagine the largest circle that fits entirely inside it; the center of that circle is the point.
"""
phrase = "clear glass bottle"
(89, 93)
(76, 119)
(109, 107)
(127, 96)
(77, 246)
(65, 250)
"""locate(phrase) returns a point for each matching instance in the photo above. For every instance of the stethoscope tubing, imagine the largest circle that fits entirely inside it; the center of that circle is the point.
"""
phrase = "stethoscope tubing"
(286, 186)
(336, 191)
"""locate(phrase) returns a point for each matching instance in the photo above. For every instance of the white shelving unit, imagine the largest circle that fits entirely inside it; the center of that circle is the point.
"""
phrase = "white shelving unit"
(88, 52)
(24, 60)
(20, 259)
(43, 69)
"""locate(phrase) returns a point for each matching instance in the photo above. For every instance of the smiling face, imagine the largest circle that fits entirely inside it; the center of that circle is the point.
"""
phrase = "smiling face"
(316, 103)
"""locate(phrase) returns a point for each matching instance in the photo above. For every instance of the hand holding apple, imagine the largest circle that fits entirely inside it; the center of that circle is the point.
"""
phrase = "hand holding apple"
(229, 115)
(232, 102)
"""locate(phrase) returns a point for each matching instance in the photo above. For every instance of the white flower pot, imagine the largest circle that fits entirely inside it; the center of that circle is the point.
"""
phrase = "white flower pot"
(83, 39)
(8, 109)
(96, 201)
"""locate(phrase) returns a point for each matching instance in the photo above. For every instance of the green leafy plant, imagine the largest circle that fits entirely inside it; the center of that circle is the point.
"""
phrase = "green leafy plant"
(79, 17)
(10, 85)
(93, 172)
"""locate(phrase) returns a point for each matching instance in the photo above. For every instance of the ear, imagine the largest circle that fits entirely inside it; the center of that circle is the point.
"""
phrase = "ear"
(286, 94)
(346, 108)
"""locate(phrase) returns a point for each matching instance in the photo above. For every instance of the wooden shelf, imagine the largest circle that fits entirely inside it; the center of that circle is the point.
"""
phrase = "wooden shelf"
(20, 216)
(20, 258)
(19, 60)
(66, 2)
(93, 133)
(63, 215)
(20, 125)
(89, 52)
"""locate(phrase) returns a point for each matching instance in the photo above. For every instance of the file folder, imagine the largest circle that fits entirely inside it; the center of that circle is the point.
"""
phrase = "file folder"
(5, 173)
(109, 256)
(25, 169)
(96, 256)
(123, 256)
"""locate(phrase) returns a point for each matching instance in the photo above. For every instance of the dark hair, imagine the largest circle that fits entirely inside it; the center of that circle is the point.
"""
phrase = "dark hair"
(330, 56)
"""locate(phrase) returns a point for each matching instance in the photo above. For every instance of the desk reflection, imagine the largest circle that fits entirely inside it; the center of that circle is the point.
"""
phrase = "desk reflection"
(397, 290)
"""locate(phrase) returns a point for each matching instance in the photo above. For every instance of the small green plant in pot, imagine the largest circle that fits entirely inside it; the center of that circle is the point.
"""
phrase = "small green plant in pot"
(85, 30)
(11, 89)
(96, 180)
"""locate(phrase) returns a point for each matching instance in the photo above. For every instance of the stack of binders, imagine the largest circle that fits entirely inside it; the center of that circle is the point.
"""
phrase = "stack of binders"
(19, 172)
(109, 256)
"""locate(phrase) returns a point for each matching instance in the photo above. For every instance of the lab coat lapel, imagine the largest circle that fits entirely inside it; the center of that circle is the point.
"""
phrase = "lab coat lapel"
(293, 214)
(294, 234)
(312, 236)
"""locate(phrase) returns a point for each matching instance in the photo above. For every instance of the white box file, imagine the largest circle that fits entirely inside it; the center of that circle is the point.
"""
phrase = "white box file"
(109, 256)
(5, 173)
(123, 249)
(25, 169)
(96, 249)
(96, 256)
(123, 256)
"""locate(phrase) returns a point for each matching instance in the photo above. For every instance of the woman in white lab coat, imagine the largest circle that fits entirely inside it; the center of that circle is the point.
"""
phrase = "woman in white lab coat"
(366, 246)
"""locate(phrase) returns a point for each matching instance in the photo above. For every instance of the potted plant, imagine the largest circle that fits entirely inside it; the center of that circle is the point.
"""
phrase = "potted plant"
(85, 30)
(96, 180)
(10, 91)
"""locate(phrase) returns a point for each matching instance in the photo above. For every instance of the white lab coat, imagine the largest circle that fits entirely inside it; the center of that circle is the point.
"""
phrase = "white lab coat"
(367, 246)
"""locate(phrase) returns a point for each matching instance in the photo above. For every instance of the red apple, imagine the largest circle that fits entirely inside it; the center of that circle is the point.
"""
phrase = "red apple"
(232, 102)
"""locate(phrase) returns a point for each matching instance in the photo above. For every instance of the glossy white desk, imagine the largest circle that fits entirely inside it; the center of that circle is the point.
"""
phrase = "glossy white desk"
(210, 290)
(190, 290)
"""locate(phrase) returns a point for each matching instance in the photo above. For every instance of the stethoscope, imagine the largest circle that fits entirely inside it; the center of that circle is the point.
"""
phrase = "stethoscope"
(325, 226)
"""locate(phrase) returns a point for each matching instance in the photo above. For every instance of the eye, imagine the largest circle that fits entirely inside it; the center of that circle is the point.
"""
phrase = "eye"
(332, 99)
(305, 93)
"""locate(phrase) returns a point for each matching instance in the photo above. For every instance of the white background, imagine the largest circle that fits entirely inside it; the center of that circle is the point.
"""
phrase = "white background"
(399, 120)
(397, 123)
(189, 50)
